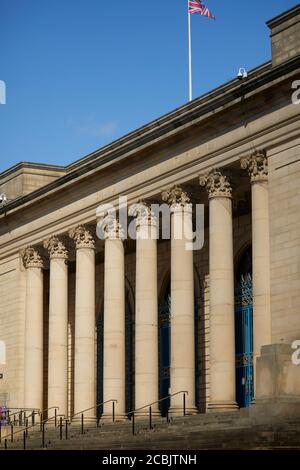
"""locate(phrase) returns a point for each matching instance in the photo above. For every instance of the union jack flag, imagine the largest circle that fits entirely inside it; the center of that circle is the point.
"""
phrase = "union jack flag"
(195, 6)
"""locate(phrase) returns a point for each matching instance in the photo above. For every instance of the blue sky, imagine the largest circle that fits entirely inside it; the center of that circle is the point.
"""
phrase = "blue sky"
(81, 73)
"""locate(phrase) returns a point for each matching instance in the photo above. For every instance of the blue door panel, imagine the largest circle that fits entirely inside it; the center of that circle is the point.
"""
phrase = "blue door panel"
(244, 343)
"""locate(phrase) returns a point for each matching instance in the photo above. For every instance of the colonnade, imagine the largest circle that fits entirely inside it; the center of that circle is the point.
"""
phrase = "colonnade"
(221, 313)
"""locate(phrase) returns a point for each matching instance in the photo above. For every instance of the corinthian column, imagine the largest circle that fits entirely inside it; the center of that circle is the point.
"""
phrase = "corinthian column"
(221, 293)
(146, 311)
(257, 166)
(58, 325)
(33, 360)
(182, 302)
(114, 317)
(84, 375)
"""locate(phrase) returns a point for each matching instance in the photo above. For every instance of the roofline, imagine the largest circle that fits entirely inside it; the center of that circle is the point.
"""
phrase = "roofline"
(181, 110)
(22, 165)
(277, 20)
(221, 96)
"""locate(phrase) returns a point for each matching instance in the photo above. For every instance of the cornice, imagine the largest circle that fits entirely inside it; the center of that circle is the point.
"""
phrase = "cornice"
(174, 122)
(149, 188)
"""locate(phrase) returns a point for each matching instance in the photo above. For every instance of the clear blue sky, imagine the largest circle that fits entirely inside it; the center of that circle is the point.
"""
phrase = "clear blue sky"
(81, 73)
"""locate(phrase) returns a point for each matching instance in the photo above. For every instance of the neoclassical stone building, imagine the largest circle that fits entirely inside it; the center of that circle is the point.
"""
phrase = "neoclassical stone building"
(85, 320)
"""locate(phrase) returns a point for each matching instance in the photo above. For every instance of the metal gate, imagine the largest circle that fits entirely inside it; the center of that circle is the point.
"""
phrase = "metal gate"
(244, 342)
(164, 354)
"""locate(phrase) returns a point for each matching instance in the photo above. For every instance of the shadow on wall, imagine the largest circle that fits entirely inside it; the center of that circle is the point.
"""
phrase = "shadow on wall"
(2, 353)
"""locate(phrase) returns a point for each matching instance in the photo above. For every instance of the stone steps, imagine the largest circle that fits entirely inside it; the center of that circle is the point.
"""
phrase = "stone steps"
(230, 431)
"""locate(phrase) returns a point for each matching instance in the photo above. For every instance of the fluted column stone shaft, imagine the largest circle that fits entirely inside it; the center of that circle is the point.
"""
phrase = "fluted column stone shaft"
(58, 325)
(84, 375)
(146, 312)
(182, 302)
(257, 166)
(221, 293)
(33, 360)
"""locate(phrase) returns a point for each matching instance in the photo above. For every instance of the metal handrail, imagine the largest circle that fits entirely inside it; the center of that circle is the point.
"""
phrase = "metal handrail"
(132, 413)
(92, 408)
(48, 409)
(20, 410)
(113, 401)
(24, 409)
(26, 427)
(158, 401)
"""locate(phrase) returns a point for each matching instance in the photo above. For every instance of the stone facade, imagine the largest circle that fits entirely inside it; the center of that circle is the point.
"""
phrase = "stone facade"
(285, 33)
(236, 151)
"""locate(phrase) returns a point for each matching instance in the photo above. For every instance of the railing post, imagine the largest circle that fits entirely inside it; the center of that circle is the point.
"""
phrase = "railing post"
(60, 428)
(41, 422)
(24, 440)
(20, 418)
(167, 415)
(5, 443)
(82, 424)
(14, 419)
(26, 430)
(133, 425)
(113, 411)
(33, 418)
(43, 436)
(184, 404)
(66, 429)
(55, 417)
(11, 433)
(150, 418)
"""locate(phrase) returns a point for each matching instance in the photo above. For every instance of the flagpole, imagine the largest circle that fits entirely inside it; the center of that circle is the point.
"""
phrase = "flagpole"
(190, 57)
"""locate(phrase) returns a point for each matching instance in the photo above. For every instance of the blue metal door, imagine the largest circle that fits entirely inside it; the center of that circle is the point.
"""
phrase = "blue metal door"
(244, 342)
(164, 354)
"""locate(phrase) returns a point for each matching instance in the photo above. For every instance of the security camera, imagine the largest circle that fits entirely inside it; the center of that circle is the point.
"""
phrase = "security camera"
(3, 199)
(242, 74)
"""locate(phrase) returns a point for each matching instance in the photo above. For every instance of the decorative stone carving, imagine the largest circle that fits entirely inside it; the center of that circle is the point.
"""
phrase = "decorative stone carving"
(257, 166)
(56, 248)
(176, 198)
(32, 258)
(111, 227)
(82, 237)
(217, 184)
(144, 214)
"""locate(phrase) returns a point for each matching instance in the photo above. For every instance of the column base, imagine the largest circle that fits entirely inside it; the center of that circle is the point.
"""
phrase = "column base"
(144, 414)
(87, 419)
(118, 417)
(178, 411)
(222, 406)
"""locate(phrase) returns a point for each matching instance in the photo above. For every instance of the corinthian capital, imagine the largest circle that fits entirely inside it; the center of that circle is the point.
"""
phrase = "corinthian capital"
(176, 197)
(217, 184)
(144, 214)
(56, 248)
(109, 227)
(32, 258)
(82, 237)
(257, 166)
